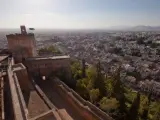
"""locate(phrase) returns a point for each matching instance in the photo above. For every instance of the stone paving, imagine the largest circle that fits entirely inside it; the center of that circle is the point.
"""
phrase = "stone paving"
(36, 105)
(59, 102)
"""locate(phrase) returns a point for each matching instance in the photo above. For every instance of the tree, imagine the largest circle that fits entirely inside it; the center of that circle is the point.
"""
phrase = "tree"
(145, 111)
(91, 76)
(135, 74)
(76, 70)
(91, 73)
(109, 86)
(146, 106)
(157, 114)
(149, 98)
(94, 95)
(81, 88)
(83, 68)
(133, 112)
(108, 104)
(140, 40)
(100, 80)
(118, 90)
(49, 50)
(117, 83)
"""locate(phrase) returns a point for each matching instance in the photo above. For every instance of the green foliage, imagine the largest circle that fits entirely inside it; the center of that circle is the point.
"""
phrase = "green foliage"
(144, 107)
(154, 110)
(83, 68)
(157, 113)
(130, 95)
(109, 86)
(108, 105)
(133, 112)
(112, 96)
(118, 87)
(91, 73)
(118, 91)
(76, 70)
(50, 50)
(144, 115)
(99, 81)
(94, 95)
(81, 88)
(100, 84)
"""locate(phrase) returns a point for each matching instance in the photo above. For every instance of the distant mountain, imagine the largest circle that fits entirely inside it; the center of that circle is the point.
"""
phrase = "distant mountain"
(146, 28)
(136, 28)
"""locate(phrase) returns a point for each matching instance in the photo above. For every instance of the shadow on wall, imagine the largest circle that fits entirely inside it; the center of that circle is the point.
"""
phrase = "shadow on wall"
(64, 76)
(85, 108)
(8, 107)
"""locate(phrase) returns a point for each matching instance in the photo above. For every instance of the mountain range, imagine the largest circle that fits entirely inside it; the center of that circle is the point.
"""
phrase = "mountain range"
(136, 28)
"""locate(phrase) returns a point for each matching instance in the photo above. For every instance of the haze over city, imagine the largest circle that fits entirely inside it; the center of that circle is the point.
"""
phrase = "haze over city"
(79, 14)
(79, 60)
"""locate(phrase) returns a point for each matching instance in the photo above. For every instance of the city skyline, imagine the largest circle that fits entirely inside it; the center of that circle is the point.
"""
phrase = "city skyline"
(78, 14)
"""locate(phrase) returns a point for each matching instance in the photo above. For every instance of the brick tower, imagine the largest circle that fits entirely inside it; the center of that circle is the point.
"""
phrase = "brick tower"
(23, 30)
(22, 45)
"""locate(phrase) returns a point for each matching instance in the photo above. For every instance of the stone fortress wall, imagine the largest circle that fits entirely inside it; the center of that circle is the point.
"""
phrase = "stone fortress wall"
(85, 108)
(19, 109)
(46, 66)
(22, 47)
(2, 98)
(18, 80)
(21, 73)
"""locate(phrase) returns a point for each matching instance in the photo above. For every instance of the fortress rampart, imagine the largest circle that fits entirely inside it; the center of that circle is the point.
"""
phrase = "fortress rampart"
(21, 46)
(85, 108)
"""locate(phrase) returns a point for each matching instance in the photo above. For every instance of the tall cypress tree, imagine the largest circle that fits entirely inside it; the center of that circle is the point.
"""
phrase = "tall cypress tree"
(133, 112)
(99, 81)
(83, 68)
(118, 90)
(157, 114)
(146, 108)
(149, 98)
(145, 112)
(117, 83)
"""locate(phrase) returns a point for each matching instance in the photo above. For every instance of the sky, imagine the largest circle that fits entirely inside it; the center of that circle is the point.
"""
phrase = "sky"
(78, 14)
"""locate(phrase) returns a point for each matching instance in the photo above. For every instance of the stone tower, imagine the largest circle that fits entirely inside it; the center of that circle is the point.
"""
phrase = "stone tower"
(22, 45)
(23, 30)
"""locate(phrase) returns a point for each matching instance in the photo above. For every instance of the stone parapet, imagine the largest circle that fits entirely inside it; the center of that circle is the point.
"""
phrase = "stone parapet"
(49, 115)
(64, 115)
(2, 117)
(85, 108)
(21, 98)
(20, 113)
(43, 96)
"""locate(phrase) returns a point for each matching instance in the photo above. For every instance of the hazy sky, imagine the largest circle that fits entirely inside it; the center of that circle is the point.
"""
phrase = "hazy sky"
(70, 14)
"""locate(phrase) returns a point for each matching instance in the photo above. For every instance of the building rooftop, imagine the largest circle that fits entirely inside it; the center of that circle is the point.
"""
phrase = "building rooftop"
(44, 58)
